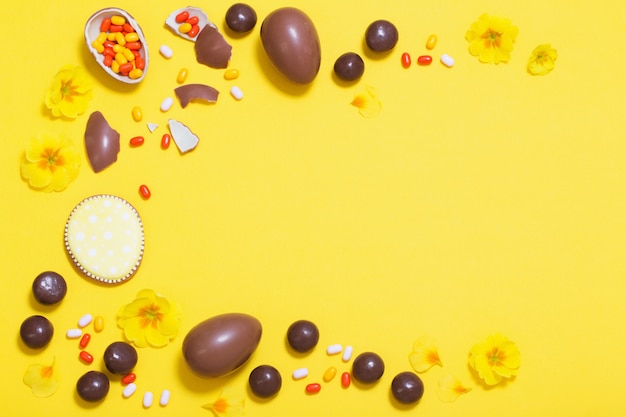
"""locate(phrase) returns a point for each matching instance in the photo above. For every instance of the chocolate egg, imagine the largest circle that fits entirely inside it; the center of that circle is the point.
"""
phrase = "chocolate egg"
(292, 44)
(221, 344)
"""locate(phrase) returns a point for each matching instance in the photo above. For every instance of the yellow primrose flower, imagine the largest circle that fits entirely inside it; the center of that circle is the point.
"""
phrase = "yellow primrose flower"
(50, 162)
(70, 92)
(150, 320)
(226, 407)
(424, 355)
(491, 38)
(542, 60)
(367, 102)
(494, 359)
(42, 379)
(450, 388)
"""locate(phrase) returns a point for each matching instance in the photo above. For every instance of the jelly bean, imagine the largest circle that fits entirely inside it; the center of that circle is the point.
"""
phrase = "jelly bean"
(424, 60)
(129, 390)
(193, 20)
(118, 20)
(431, 42)
(181, 17)
(144, 191)
(167, 104)
(136, 141)
(447, 60)
(133, 46)
(147, 399)
(166, 51)
(334, 349)
(85, 356)
(345, 379)
(135, 73)
(184, 28)
(182, 75)
(117, 48)
(330, 374)
(115, 67)
(125, 68)
(131, 37)
(135, 52)
(98, 324)
(99, 47)
(406, 60)
(128, 54)
(129, 378)
(231, 74)
(109, 52)
(347, 353)
(105, 25)
(84, 341)
(165, 141)
(128, 28)
(111, 36)
(109, 44)
(74, 333)
(108, 60)
(236, 92)
(313, 388)
(116, 29)
(140, 63)
(195, 29)
(300, 373)
(165, 398)
(137, 113)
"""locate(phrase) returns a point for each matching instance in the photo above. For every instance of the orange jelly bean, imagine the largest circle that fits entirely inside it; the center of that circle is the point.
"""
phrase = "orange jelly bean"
(313, 388)
(137, 140)
(345, 379)
(129, 378)
(105, 25)
(85, 356)
(195, 29)
(406, 60)
(424, 60)
(140, 63)
(128, 28)
(181, 17)
(84, 341)
(165, 141)
(144, 191)
(193, 20)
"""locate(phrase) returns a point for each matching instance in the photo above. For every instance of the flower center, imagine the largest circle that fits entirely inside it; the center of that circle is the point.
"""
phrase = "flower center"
(50, 159)
(496, 357)
(150, 315)
(68, 90)
(492, 38)
(220, 406)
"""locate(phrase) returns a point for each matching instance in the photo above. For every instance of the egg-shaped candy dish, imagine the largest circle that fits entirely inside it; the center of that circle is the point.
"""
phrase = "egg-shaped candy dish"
(97, 30)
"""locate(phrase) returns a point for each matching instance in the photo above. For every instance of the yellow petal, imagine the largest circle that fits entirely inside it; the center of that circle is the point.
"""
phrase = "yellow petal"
(450, 388)
(42, 379)
(367, 102)
(424, 355)
(226, 407)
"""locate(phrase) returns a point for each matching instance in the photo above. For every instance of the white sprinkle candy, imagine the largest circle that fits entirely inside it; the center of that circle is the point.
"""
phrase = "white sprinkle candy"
(74, 333)
(166, 51)
(334, 349)
(147, 399)
(129, 390)
(300, 373)
(236, 92)
(85, 320)
(347, 354)
(165, 398)
(447, 60)
(167, 104)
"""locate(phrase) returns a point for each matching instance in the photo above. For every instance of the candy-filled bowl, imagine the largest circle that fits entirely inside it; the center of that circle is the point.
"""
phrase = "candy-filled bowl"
(118, 44)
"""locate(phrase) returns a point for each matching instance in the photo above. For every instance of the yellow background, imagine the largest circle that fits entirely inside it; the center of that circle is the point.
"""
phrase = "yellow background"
(481, 200)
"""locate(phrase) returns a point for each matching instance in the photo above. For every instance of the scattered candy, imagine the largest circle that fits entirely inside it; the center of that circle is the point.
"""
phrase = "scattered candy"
(345, 379)
(330, 374)
(144, 191)
(165, 141)
(231, 74)
(166, 51)
(300, 373)
(406, 60)
(85, 356)
(334, 349)
(313, 388)
(84, 341)
(167, 104)
(165, 398)
(147, 399)
(74, 333)
(347, 353)
(136, 141)
(431, 42)
(236, 92)
(98, 324)
(447, 60)
(129, 390)
(137, 114)
(129, 378)
(182, 75)
(424, 60)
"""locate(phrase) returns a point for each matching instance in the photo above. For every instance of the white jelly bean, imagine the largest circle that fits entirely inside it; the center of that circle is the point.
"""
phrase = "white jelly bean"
(447, 60)
(300, 373)
(85, 320)
(74, 333)
(236, 92)
(166, 51)
(167, 104)
(347, 354)
(334, 349)
(165, 397)
(129, 390)
(147, 399)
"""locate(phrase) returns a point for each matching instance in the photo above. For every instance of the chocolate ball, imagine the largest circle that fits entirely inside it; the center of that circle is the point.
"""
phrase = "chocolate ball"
(407, 388)
(368, 367)
(49, 288)
(36, 332)
(93, 386)
(349, 66)
(303, 335)
(120, 358)
(265, 381)
(240, 17)
(381, 36)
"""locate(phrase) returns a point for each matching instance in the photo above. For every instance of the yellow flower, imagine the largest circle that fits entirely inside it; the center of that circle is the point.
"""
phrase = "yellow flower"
(450, 388)
(424, 355)
(542, 60)
(226, 407)
(50, 163)
(494, 359)
(368, 103)
(70, 92)
(42, 379)
(150, 320)
(491, 38)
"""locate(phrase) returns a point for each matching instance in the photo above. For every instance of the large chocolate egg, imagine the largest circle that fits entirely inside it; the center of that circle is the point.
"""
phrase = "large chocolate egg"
(292, 44)
(221, 344)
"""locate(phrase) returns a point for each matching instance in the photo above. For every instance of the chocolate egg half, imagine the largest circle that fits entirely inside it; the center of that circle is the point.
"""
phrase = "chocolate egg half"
(292, 44)
(221, 344)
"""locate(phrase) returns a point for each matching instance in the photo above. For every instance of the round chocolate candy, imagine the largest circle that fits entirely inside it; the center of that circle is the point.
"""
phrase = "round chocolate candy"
(265, 381)
(349, 66)
(407, 388)
(240, 17)
(381, 36)
(303, 335)
(120, 358)
(36, 332)
(49, 288)
(368, 367)
(93, 386)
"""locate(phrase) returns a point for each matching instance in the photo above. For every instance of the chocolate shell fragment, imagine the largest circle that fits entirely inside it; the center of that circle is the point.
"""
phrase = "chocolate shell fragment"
(101, 141)
(212, 49)
(190, 92)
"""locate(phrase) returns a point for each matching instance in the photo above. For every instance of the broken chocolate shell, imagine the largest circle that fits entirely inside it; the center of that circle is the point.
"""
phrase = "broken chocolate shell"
(212, 49)
(101, 141)
(190, 92)
(183, 137)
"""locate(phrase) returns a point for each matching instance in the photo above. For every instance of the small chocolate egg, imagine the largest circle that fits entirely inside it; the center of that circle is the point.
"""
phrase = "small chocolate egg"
(221, 344)
(120, 358)
(36, 332)
(49, 288)
(381, 36)
(265, 381)
(349, 66)
(240, 17)
(93, 386)
(292, 44)
(303, 335)
(368, 367)
(407, 388)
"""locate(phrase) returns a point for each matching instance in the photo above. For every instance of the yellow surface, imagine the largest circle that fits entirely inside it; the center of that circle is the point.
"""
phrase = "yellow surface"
(480, 200)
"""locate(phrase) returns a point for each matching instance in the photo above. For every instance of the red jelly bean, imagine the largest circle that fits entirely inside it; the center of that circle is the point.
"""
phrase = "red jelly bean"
(193, 20)
(128, 28)
(108, 44)
(109, 51)
(195, 29)
(84, 341)
(181, 17)
(140, 63)
(424, 60)
(137, 140)
(116, 28)
(313, 388)
(165, 141)
(345, 379)
(85, 356)
(144, 191)
(133, 46)
(105, 25)
(406, 60)
(108, 60)
(129, 378)
(126, 68)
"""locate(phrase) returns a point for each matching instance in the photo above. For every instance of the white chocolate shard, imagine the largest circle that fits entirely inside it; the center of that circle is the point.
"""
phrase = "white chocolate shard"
(184, 138)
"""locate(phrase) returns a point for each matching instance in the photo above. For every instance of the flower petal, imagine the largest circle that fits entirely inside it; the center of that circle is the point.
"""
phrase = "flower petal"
(450, 388)
(42, 379)
(424, 355)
